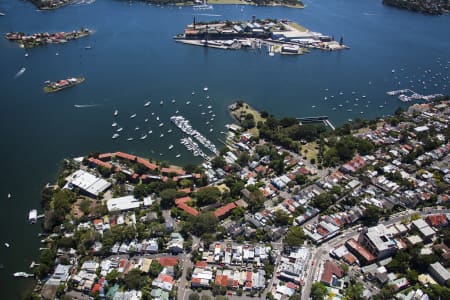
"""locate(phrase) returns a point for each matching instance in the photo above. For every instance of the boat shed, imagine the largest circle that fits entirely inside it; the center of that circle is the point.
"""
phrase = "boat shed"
(88, 183)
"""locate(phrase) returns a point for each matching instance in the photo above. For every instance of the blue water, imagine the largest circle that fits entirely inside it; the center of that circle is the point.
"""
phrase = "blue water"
(134, 59)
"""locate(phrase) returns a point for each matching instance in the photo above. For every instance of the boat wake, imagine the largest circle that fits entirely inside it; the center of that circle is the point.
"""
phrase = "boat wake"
(83, 2)
(209, 15)
(86, 105)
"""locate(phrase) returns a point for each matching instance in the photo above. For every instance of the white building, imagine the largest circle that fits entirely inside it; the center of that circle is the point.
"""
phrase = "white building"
(88, 183)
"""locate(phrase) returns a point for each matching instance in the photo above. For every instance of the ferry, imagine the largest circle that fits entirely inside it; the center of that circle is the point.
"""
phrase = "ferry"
(32, 216)
(63, 84)
(115, 136)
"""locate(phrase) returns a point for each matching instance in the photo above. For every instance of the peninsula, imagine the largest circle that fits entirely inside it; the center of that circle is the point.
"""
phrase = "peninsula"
(45, 38)
(206, 5)
(435, 7)
(277, 36)
(288, 211)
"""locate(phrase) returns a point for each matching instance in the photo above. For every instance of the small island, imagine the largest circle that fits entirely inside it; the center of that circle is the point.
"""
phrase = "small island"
(278, 36)
(56, 86)
(436, 7)
(206, 5)
(45, 38)
(50, 4)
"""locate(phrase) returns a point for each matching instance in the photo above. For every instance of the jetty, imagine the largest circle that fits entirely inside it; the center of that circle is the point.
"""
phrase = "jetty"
(407, 95)
(317, 119)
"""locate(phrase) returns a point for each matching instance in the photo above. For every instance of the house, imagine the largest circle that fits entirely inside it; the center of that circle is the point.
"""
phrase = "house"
(426, 232)
(439, 273)
(331, 272)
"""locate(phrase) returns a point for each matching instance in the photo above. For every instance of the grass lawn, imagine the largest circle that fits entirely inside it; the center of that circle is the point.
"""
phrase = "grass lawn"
(298, 27)
(312, 151)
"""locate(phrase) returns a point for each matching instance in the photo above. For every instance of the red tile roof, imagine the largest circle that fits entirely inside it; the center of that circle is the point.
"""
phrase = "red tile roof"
(147, 164)
(105, 156)
(100, 163)
(96, 288)
(188, 209)
(221, 211)
(125, 156)
(168, 261)
(173, 170)
(182, 200)
(330, 269)
(358, 248)
(437, 220)
(165, 278)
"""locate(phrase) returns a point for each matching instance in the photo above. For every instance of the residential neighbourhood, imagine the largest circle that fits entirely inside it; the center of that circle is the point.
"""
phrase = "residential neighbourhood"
(359, 213)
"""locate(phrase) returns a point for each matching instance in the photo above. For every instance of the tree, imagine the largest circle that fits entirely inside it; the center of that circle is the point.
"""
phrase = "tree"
(295, 236)
(371, 215)
(140, 191)
(318, 291)
(208, 195)
(194, 296)
(134, 280)
(354, 292)
(111, 277)
(167, 198)
(155, 269)
(243, 159)
(85, 206)
(204, 223)
(323, 201)
(282, 218)
(218, 162)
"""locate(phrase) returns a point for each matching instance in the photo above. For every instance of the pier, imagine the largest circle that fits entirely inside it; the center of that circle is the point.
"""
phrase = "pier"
(323, 119)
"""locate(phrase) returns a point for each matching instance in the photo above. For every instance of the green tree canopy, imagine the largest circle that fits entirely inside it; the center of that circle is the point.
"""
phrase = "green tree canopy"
(295, 236)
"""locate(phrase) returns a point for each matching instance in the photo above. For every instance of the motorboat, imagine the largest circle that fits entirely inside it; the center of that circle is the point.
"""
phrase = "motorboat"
(188, 102)
(119, 129)
(170, 147)
(133, 116)
(161, 102)
(7, 245)
(130, 139)
(114, 124)
(116, 113)
(115, 136)
(148, 103)
(161, 124)
(143, 137)
(22, 274)
(205, 88)
(178, 155)
(173, 101)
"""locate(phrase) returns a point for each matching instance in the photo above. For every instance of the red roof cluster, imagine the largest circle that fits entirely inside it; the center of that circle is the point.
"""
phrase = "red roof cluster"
(182, 200)
(100, 163)
(188, 209)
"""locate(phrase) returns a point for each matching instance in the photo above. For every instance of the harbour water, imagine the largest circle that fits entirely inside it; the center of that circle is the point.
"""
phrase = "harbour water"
(132, 59)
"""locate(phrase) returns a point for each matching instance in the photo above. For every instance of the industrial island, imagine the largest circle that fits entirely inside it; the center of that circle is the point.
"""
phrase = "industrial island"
(278, 36)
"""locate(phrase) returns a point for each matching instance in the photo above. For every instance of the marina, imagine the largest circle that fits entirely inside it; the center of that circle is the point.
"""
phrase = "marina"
(45, 38)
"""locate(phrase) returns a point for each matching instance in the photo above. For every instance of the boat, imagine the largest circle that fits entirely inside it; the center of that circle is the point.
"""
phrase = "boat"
(119, 129)
(193, 93)
(2, 14)
(177, 111)
(63, 84)
(133, 116)
(114, 124)
(130, 139)
(170, 147)
(205, 88)
(157, 118)
(161, 124)
(169, 131)
(136, 128)
(32, 216)
(161, 135)
(88, 47)
(143, 137)
(146, 120)
(115, 136)
(313, 106)
(349, 110)
(22, 274)
(116, 113)
(21, 71)
(178, 155)
(161, 102)
(9, 195)
(150, 131)
(188, 102)
(7, 245)
(148, 103)
(173, 101)
(211, 130)
(26, 54)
